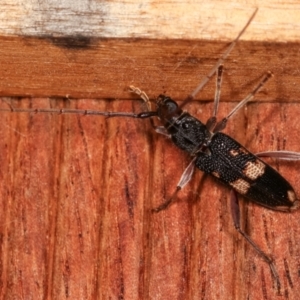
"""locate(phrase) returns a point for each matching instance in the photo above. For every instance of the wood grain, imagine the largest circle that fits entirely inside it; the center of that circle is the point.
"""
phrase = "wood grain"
(105, 68)
(76, 198)
(276, 20)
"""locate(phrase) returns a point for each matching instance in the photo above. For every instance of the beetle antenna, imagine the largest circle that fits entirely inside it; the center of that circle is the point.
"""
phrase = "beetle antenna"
(206, 79)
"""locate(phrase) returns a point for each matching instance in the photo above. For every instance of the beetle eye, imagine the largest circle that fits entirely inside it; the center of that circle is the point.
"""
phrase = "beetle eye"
(166, 106)
(171, 106)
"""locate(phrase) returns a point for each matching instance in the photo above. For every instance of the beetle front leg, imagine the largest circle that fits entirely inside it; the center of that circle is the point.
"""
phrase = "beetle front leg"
(162, 130)
(222, 124)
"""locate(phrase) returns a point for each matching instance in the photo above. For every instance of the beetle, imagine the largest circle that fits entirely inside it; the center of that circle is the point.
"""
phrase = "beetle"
(219, 155)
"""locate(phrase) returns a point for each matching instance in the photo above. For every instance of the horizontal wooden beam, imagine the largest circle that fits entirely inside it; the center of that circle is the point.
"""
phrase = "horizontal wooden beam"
(104, 68)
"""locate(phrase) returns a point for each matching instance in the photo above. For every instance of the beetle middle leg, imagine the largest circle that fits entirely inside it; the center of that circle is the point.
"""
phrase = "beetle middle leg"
(185, 178)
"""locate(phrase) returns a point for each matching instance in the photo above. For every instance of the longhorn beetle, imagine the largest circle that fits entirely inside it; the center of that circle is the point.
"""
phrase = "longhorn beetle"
(214, 152)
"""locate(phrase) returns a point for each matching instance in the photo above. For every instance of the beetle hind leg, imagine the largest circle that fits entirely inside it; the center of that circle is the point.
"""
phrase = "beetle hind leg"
(235, 211)
(296, 205)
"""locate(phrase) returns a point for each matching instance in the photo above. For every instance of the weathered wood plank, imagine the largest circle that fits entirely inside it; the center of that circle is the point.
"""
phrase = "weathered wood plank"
(211, 20)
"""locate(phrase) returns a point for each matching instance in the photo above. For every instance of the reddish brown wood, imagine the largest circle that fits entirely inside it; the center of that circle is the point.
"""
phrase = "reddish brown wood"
(76, 199)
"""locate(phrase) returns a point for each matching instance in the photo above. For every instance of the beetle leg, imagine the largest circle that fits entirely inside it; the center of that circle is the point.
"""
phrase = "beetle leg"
(235, 212)
(162, 130)
(284, 155)
(185, 178)
(218, 90)
(222, 124)
(219, 62)
(211, 122)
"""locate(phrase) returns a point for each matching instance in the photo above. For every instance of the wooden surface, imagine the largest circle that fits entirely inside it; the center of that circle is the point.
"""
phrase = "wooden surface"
(211, 20)
(76, 191)
(76, 197)
(108, 67)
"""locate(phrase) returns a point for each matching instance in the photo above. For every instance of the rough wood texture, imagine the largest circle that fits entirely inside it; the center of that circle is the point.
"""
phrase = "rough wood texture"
(76, 197)
(174, 19)
(105, 68)
(76, 191)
